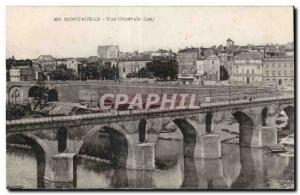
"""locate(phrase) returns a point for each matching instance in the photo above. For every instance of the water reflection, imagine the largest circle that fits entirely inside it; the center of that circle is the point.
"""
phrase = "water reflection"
(246, 168)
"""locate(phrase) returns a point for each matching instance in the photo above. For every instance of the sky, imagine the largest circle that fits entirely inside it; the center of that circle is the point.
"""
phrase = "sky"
(33, 31)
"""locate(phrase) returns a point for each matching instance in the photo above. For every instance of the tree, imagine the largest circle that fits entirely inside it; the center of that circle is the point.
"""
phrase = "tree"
(109, 72)
(145, 73)
(163, 69)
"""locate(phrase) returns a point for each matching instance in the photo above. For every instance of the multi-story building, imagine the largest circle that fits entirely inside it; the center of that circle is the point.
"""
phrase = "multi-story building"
(131, 65)
(109, 54)
(61, 61)
(208, 69)
(73, 64)
(279, 72)
(247, 68)
(162, 55)
(47, 62)
(187, 68)
(22, 73)
(212, 67)
(230, 43)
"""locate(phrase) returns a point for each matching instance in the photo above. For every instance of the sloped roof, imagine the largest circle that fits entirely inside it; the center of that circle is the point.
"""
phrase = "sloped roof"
(253, 55)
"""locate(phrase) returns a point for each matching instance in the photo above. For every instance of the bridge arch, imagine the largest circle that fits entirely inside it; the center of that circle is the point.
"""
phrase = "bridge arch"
(52, 95)
(246, 128)
(264, 116)
(289, 110)
(142, 130)
(34, 91)
(208, 122)
(189, 136)
(40, 149)
(62, 138)
(114, 144)
(15, 95)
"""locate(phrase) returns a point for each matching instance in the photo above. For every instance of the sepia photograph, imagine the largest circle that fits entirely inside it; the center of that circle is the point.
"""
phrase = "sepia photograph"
(150, 98)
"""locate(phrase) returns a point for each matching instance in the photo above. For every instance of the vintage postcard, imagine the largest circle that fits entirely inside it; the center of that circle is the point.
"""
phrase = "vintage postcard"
(156, 98)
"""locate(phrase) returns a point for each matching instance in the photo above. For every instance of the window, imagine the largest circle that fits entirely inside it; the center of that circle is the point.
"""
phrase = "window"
(267, 73)
(285, 73)
(273, 73)
(284, 65)
(279, 65)
(124, 69)
(248, 72)
(273, 65)
(267, 65)
(279, 73)
(252, 71)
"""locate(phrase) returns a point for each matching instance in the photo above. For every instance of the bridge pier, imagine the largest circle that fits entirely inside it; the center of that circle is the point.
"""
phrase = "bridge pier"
(210, 173)
(140, 178)
(263, 136)
(291, 121)
(141, 156)
(267, 136)
(208, 146)
(63, 167)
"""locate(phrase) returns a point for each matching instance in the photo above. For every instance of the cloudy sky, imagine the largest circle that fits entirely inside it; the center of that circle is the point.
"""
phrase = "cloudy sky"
(33, 31)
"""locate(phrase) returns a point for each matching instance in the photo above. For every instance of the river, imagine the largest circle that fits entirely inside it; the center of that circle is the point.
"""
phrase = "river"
(246, 168)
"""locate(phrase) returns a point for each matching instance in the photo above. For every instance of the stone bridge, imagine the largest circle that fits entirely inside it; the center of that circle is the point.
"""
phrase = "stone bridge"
(57, 140)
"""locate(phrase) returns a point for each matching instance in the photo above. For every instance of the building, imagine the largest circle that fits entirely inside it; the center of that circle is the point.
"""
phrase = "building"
(22, 73)
(108, 51)
(187, 68)
(73, 64)
(61, 61)
(247, 68)
(208, 69)
(46, 62)
(212, 67)
(230, 43)
(109, 54)
(162, 55)
(279, 72)
(131, 65)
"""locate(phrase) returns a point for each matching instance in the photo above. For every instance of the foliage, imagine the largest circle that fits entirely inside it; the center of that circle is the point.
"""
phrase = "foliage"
(163, 69)
(108, 72)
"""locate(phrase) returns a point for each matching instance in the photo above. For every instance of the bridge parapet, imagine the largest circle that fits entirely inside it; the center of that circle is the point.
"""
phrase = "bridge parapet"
(153, 113)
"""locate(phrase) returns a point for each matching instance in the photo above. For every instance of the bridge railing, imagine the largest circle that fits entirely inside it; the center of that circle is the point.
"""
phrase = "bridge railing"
(137, 112)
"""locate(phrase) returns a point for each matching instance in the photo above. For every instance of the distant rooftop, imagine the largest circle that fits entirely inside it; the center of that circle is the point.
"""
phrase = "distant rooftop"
(253, 55)
(192, 49)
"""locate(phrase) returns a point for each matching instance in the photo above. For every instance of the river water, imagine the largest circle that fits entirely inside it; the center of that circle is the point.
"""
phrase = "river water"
(246, 168)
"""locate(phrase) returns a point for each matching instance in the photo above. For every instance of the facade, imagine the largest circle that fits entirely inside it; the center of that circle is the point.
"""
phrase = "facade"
(22, 73)
(230, 43)
(61, 61)
(130, 66)
(162, 55)
(247, 68)
(47, 62)
(187, 68)
(73, 64)
(212, 67)
(108, 52)
(279, 72)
